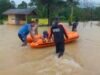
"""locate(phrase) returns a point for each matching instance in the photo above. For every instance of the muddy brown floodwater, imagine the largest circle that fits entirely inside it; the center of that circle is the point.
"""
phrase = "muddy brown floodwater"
(81, 57)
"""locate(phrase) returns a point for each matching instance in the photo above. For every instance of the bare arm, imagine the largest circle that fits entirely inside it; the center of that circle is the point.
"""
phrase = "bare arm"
(50, 35)
(31, 32)
(65, 33)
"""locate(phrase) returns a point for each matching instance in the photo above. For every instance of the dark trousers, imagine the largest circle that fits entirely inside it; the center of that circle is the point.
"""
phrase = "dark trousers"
(60, 48)
(74, 27)
(22, 37)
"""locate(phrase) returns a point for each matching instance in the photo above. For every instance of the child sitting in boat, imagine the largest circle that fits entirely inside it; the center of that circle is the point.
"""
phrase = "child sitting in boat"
(38, 38)
(45, 36)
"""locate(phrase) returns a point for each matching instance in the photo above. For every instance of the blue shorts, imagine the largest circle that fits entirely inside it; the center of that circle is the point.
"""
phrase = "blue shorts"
(22, 36)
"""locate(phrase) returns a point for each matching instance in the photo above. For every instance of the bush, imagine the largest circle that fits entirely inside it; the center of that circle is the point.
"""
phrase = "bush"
(1, 21)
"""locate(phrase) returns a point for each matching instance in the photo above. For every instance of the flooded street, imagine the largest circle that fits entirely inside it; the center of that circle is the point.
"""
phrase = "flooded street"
(81, 57)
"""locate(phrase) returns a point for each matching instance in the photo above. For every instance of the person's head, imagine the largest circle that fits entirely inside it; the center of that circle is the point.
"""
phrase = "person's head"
(45, 34)
(56, 21)
(32, 23)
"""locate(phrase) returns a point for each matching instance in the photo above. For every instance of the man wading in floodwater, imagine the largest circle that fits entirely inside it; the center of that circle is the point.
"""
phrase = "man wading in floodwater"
(58, 31)
(75, 24)
(25, 30)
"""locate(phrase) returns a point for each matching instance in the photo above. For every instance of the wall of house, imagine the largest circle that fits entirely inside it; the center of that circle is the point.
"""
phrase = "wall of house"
(20, 19)
(16, 19)
(11, 19)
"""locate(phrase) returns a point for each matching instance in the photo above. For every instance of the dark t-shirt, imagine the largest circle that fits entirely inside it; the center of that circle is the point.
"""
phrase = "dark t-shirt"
(75, 24)
(58, 32)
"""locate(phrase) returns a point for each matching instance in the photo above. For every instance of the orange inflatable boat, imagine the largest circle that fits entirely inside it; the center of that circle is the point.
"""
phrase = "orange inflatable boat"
(38, 42)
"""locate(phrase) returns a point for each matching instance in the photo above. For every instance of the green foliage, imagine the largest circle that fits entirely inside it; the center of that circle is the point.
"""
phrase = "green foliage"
(5, 5)
(68, 10)
(51, 8)
(22, 5)
(32, 3)
(1, 21)
(72, 2)
(13, 4)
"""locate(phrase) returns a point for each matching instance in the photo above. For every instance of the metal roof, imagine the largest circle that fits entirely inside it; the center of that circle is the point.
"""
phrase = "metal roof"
(20, 11)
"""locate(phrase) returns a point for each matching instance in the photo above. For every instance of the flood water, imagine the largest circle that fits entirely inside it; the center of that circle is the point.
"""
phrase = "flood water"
(81, 57)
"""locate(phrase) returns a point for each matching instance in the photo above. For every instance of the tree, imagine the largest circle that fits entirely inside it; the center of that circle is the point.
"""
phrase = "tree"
(32, 3)
(4, 5)
(22, 5)
(72, 4)
(67, 9)
(13, 4)
(53, 7)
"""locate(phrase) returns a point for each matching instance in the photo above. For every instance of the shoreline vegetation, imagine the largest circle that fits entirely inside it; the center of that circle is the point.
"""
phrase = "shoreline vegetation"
(67, 10)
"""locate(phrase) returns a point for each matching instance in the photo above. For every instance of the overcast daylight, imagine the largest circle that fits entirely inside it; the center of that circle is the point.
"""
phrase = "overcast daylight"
(49, 37)
(19, 1)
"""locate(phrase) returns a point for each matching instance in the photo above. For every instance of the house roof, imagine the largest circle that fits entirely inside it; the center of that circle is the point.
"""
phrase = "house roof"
(20, 11)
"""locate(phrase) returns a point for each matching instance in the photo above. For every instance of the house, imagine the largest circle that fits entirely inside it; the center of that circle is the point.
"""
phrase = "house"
(19, 16)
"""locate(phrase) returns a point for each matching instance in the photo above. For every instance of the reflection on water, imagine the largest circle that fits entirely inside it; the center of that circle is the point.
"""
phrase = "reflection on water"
(81, 57)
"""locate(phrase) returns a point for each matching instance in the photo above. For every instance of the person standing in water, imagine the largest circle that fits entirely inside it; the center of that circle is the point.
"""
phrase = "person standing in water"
(58, 32)
(24, 31)
(74, 25)
(36, 25)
